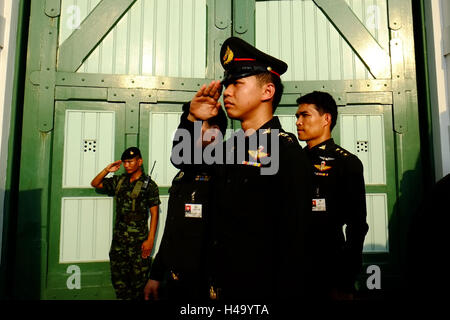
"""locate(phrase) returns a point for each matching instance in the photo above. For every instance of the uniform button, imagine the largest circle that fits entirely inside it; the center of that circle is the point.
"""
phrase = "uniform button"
(228, 180)
(245, 180)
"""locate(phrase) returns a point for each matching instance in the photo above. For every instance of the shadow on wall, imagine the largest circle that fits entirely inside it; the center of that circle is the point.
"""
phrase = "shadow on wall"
(428, 244)
(31, 244)
(395, 265)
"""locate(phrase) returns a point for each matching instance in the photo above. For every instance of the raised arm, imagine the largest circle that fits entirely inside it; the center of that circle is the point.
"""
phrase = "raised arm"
(204, 105)
(112, 167)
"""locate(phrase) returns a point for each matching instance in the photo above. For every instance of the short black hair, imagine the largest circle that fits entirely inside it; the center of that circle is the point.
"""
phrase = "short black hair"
(323, 102)
(269, 77)
(220, 120)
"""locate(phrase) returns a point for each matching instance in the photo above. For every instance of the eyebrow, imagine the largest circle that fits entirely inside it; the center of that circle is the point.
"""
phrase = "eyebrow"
(297, 114)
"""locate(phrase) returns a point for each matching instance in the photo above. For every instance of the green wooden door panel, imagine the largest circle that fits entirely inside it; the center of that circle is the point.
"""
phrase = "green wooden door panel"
(367, 131)
(157, 128)
(85, 37)
(300, 34)
(158, 125)
(81, 220)
(155, 37)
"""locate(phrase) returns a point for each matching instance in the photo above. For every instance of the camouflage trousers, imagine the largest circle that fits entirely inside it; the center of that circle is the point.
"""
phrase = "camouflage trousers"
(129, 271)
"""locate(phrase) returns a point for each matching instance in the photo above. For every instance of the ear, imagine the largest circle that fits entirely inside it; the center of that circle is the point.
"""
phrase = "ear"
(327, 119)
(268, 91)
(140, 161)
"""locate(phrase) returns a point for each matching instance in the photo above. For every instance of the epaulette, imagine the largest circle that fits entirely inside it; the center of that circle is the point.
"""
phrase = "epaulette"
(286, 136)
(342, 152)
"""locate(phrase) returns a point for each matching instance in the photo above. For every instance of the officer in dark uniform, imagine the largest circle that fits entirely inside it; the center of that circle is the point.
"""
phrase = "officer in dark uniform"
(338, 199)
(181, 259)
(136, 196)
(261, 185)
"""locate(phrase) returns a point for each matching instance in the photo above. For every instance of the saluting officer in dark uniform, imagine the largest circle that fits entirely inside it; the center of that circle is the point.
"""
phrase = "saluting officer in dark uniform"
(338, 199)
(181, 259)
(261, 188)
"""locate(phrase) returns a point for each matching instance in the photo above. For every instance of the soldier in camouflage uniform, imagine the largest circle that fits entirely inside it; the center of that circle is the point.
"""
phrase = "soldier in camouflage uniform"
(136, 194)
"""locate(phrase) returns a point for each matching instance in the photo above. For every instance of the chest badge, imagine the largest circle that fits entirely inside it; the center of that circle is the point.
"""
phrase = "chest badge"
(322, 167)
(258, 154)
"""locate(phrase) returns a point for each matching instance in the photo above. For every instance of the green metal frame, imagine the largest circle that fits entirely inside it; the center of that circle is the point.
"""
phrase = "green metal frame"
(90, 33)
(362, 42)
(144, 131)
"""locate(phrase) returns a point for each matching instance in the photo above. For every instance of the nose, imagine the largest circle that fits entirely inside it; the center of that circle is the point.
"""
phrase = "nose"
(298, 122)
(227, 91)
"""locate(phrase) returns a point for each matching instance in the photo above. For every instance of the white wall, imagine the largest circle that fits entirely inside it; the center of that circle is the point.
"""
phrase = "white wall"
(437, 15)
(9, 11)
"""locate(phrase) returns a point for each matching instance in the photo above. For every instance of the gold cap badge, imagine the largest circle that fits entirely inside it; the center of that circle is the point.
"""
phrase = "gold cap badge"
(228, 57)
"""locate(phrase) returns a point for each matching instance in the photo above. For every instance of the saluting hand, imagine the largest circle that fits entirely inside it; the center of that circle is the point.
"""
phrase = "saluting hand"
(205, 103)
(113, 167)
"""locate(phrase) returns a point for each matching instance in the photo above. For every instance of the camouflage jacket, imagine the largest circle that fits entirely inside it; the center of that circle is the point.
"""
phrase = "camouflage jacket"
(128, 220)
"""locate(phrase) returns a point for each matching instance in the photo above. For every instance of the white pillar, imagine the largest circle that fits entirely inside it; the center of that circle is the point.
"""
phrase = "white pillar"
(437, 19)
(9, 13)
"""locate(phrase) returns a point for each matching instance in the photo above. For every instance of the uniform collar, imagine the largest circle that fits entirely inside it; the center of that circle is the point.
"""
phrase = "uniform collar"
(142, 177)
(273, 123)
(323, 145)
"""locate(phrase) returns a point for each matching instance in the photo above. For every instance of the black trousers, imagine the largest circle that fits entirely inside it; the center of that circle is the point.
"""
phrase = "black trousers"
(187, 286)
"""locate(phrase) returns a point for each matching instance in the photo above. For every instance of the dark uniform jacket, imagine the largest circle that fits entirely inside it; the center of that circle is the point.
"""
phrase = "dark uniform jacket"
(338, 200)
(259, 222)
(182, 249)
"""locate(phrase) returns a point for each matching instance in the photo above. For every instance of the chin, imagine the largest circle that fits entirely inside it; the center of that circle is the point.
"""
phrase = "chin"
(302, 137)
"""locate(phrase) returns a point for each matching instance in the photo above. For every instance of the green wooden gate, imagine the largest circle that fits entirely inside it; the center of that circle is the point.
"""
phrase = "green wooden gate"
(106, 74)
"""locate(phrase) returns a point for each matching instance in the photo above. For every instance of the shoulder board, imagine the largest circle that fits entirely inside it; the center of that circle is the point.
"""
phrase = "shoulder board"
(342, 152)
(285, 136)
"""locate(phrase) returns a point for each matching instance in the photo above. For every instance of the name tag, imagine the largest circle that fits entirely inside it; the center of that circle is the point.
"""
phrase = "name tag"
(319, 205)
(192, 210)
